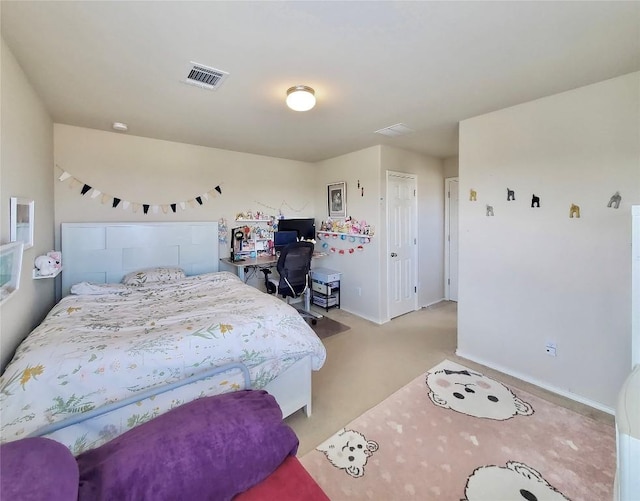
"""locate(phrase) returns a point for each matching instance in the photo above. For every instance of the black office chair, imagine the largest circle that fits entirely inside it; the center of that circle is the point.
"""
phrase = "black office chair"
(293, 266)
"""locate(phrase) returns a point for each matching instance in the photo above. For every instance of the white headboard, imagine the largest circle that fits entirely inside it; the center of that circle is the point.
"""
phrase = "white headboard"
(105, 252)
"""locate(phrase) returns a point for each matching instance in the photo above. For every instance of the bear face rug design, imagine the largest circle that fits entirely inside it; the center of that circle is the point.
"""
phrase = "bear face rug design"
(456, 434)
(348, 450)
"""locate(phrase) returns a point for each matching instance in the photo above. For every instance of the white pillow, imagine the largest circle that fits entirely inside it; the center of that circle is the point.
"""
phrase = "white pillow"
(93, 289)
(151, 275)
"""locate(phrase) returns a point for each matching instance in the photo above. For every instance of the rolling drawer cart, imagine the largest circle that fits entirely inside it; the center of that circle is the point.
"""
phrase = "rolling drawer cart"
(325, 288)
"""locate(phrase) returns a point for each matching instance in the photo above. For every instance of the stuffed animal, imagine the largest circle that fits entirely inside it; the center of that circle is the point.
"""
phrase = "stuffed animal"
(46, 265)
(57, 257)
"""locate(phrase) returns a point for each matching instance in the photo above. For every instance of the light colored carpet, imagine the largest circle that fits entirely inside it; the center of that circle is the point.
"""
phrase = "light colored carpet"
(454, 433)
(369, 362)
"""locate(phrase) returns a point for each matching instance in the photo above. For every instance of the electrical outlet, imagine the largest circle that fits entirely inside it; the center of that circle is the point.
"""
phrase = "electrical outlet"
(359, 291)
(550, 348)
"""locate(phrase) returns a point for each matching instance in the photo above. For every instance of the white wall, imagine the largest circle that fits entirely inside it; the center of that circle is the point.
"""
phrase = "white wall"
(532, 275)
(144, 170)
(361, 281)
(364, 273)
(450, 167)
(26, 144)
(430, 179)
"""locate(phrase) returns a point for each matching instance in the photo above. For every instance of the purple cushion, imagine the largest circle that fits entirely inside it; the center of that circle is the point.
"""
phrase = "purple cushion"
(37, 469)
(211, 448)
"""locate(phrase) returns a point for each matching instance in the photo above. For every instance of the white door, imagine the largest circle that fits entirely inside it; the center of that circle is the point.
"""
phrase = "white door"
(402, 243)
(451, 239)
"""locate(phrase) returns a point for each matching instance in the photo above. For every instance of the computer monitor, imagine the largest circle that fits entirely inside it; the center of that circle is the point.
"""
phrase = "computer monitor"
(306, 227)
(283, 238)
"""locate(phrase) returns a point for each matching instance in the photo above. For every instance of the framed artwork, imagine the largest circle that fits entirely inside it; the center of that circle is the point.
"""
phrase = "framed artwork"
(337, 199)
(22, 218)
(10, 266)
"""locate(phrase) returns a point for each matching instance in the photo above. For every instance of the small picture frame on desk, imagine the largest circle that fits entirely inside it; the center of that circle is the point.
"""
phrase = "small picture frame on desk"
(337, 200)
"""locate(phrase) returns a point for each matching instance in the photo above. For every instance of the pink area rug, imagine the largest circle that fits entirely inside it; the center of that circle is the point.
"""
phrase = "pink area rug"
(455, 434)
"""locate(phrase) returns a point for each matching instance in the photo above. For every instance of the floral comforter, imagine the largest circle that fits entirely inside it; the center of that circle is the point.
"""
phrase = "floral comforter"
(111, 341)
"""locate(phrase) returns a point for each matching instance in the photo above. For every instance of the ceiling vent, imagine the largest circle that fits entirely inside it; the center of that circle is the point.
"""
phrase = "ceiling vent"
(395, 130)
(204, 76)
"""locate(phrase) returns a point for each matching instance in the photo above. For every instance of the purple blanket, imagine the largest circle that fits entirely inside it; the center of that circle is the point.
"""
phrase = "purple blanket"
(211, 448)
(37, 469)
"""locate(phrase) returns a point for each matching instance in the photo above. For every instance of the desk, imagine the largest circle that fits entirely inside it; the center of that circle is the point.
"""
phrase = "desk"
(242, 268)
(238, 267)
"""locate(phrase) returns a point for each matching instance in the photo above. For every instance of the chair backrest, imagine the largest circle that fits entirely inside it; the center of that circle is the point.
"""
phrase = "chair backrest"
(293, 266)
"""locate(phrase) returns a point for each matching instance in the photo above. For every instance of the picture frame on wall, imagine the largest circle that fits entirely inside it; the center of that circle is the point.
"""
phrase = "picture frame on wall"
(337, 200)
(22, 213)
(10, 267)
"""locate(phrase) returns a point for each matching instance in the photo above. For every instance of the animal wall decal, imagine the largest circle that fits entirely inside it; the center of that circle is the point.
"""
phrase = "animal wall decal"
(489, 210)
(615, 200)
(472, 195)
(574, 210)
(510, 195)
(535, 201)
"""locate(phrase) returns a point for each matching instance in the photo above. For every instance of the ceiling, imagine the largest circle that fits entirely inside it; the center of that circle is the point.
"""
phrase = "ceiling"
(373, 64)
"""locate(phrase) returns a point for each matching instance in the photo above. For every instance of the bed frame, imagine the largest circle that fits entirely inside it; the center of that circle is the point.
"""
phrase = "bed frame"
(106, 252)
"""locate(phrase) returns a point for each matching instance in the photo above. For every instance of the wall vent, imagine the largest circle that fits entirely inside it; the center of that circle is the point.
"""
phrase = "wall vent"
(204, 76)
(395, 130)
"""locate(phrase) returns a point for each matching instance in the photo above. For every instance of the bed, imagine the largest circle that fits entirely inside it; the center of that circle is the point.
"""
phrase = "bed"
(110, 356)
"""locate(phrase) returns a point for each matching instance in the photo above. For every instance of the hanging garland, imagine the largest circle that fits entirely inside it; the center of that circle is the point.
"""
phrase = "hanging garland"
(361, 240)
(135, 206)
(284, 203)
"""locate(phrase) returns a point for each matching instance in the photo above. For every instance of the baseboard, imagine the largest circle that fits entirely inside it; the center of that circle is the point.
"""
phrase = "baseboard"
(558, 391)
(434, 302)
(357, 314)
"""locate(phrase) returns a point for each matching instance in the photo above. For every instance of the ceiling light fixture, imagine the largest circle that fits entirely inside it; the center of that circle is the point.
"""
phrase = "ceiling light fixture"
(119, 126)
(301, 98)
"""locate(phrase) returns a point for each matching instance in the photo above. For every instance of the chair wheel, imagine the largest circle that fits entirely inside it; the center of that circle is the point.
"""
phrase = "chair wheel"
(314, 321)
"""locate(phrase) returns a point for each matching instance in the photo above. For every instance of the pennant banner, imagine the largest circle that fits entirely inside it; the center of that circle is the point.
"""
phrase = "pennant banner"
(135, 206)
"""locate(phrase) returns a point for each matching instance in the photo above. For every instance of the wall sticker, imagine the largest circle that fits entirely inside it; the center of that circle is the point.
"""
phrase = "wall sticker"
(574, 210)
(535, 201)
(615, 200)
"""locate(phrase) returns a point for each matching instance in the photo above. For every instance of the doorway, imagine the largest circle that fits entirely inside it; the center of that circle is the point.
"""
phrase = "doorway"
(402, 243)
(451, 239)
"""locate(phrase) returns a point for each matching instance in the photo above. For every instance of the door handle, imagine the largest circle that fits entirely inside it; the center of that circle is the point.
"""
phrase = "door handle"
(393, 254)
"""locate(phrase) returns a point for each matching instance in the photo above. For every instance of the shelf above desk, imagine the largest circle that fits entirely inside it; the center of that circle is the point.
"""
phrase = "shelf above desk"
(336, 233)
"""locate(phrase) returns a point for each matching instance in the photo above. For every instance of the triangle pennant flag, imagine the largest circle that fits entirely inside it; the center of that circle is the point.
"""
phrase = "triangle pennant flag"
(116, 201)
